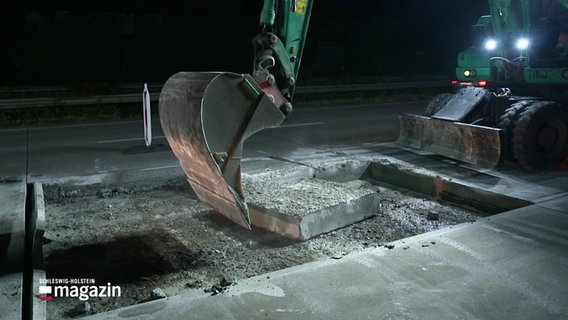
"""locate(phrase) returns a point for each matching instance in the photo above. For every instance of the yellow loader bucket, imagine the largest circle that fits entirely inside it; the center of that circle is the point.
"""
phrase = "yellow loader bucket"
(478, 145)
(206, 116)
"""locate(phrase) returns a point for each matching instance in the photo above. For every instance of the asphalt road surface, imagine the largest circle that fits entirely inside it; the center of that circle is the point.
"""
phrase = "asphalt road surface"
(57, 151)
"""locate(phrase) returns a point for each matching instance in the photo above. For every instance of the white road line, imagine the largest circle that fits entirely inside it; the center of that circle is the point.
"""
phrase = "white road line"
(128, 139)
(298, 125)
(162, 167)
(86, 124)
(158, 137)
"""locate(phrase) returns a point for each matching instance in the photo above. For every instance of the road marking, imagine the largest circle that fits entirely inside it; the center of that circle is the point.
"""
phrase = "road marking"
(84, 124)
(128, 139)
(162, 167)
(362, 105)
(298, 125)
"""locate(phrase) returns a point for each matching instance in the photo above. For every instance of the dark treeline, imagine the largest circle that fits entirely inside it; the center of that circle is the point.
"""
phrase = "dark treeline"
(64, 41)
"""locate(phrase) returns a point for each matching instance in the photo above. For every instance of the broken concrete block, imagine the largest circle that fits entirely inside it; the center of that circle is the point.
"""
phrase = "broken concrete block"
(303, 208)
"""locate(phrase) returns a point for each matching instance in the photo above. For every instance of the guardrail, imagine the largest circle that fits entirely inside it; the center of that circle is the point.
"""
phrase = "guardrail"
(371, 86)
(137, 97)
(75, 101)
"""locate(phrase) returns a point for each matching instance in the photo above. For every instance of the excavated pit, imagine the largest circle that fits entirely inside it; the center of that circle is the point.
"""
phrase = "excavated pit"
(304, 201)
(152, 228)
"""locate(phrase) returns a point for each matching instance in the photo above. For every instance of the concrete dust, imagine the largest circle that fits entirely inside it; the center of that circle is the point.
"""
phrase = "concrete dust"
(303, 196)
(149, 239)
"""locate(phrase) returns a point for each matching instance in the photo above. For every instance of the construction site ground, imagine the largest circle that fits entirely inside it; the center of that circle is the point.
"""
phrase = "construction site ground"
(154, 239)
(446, 239)
(151, 238)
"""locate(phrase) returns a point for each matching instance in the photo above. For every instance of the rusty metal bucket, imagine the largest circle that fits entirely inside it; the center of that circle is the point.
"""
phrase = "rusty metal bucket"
(206, 116)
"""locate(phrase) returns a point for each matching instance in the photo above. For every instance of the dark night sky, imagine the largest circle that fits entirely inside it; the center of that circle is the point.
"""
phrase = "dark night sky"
(65, 41)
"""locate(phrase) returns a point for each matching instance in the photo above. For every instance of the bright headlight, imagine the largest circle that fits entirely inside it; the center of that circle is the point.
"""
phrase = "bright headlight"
(490, 44)
(469, 73)
(522, 43)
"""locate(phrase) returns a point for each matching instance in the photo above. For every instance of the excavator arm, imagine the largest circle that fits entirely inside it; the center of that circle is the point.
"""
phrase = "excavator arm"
(279, 45)
(206, 116)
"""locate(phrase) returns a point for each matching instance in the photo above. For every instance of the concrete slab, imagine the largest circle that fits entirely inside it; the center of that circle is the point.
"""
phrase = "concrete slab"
(39, 307)
(311, 215)
(11, 295)
(298, 202)
(12, 226)
(12, 250)
(467, 194)
(556, 202)
(151, 176)
(12, 244)
(510, 266)
(510, 181)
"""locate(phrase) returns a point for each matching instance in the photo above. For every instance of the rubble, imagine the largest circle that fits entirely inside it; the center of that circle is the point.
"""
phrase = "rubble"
(163, 237)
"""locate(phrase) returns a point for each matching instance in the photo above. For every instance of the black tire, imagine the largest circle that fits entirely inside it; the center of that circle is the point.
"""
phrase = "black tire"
(437, 103)
(507, 122)
(540, 137)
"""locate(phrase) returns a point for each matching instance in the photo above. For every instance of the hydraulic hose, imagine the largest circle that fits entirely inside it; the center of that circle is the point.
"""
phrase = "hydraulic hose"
(268, 13)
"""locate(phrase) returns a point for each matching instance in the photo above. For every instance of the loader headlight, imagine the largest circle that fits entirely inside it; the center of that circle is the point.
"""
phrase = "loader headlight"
(490, 44)
(522, 43)
(469, 73)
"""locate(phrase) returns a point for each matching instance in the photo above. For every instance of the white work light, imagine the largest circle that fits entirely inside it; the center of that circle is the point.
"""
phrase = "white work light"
(469, 73)
(522, 43)
(490, 44)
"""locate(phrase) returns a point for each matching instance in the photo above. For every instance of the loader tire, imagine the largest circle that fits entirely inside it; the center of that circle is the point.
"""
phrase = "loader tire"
(540, 137)
(437, 103)
(507, 122)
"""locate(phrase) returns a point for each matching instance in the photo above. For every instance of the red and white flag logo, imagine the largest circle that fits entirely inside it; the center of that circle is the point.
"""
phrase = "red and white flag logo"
(45, 293)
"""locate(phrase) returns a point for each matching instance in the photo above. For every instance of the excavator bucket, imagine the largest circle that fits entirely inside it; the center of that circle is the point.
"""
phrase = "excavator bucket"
(206, 116)
(478, 145)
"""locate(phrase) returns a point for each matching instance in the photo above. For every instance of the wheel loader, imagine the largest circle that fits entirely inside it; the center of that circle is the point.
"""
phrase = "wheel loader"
(511, 103)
